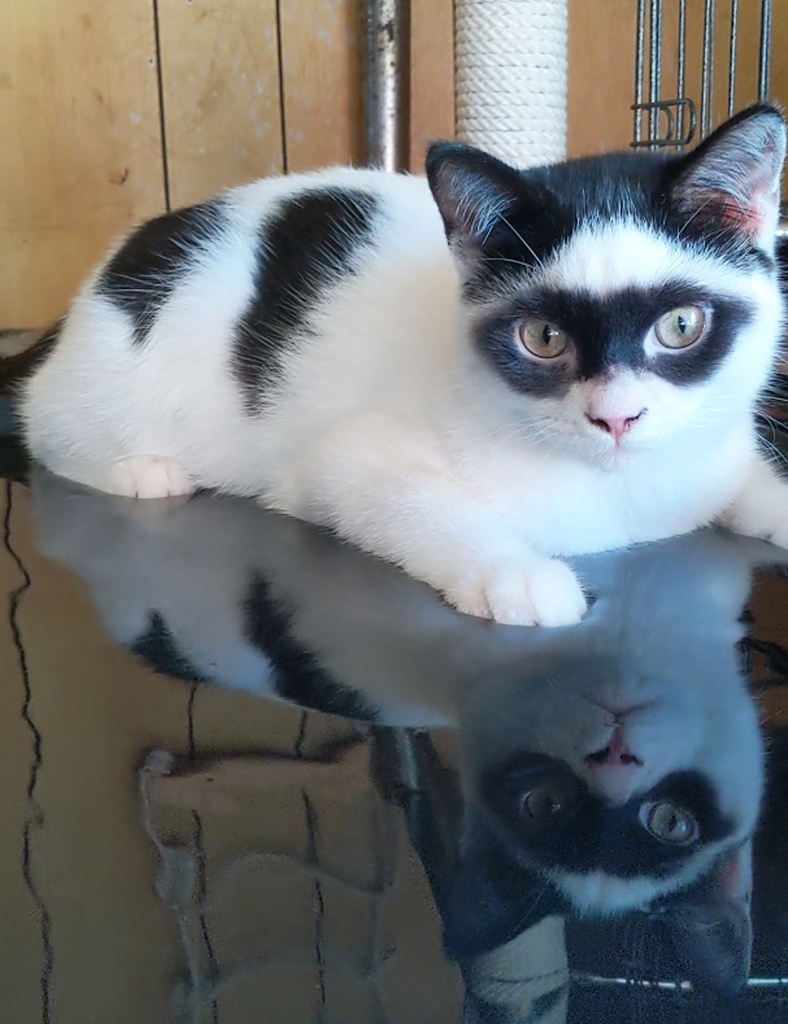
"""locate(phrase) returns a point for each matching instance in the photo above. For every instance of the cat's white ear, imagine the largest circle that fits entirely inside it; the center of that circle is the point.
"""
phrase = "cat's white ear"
(733, 178)
(472, 189)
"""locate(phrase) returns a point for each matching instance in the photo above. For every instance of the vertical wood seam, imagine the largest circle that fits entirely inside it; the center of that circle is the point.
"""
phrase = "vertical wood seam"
(162, 122)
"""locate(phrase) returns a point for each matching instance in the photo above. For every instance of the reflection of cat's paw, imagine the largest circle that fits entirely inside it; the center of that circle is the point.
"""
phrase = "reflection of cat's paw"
(534, 592)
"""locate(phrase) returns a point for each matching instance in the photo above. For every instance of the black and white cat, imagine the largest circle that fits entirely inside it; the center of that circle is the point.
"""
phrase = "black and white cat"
(635, 725)
(577, 370)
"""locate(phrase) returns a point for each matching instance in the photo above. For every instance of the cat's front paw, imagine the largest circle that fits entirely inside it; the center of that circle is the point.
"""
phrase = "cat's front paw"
(534, 591)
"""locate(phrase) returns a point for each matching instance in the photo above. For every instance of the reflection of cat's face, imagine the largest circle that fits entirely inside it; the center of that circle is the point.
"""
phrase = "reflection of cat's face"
(619, 787)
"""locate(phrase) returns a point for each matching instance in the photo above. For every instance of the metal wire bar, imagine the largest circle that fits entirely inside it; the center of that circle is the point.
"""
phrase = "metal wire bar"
(681, 65)
(764, 56)
(732, 57)
(707, 69)
(655, 68)
(640, 64)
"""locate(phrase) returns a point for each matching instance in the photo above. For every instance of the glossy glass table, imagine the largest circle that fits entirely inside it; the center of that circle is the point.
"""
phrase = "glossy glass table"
(251, 775)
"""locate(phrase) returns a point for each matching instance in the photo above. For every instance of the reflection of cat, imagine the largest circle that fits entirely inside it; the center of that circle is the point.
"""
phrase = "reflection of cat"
(617, 764)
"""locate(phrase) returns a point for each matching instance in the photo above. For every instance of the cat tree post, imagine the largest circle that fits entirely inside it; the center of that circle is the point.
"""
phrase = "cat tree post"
(510, 77)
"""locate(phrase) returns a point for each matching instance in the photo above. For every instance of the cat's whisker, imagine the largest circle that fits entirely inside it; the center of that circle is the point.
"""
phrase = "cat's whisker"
(539, 262)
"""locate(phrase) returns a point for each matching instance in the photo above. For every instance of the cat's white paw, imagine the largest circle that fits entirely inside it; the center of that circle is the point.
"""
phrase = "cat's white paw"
(532, 592)
(149, 476)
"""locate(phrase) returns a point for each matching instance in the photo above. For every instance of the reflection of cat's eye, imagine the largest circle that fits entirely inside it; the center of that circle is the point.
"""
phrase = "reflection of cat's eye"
(550, 798)
(670, 823)
(681, 327)
(542, 339)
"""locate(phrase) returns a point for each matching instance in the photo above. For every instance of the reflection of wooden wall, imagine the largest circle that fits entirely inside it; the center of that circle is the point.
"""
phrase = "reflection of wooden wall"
(111, 109)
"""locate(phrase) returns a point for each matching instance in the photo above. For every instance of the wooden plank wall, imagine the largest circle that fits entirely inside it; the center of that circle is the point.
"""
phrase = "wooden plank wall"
(113, 110)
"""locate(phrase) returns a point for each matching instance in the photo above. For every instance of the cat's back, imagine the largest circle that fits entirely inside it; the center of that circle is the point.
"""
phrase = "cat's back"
(202, 313)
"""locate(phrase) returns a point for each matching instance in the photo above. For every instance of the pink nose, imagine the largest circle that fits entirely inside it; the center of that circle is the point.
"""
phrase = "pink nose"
(616, 426)
(612, 771)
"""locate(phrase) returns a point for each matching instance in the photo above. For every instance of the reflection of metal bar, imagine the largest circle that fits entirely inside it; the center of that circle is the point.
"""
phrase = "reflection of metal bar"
(640, 64)
(655, 66)
(582, 978)
(764, 57)
(387, 83)
(681, 66)
(732, 57)
(707, 69)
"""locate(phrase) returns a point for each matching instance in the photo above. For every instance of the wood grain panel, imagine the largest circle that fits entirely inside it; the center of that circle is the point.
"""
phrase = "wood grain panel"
(80, 159)
(601, 82)
(322, 52)
(220, 87)
(431, 76)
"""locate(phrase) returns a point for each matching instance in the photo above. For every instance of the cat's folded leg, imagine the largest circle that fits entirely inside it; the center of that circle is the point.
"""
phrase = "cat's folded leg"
(760, 509)
(386, 488)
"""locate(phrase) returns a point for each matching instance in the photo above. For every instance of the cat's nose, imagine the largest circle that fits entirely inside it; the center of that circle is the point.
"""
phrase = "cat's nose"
(612, 770)
(616, 426)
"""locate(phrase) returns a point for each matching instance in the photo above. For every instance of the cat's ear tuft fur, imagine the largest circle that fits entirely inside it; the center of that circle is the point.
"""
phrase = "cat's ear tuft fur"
(733, 177)
(472, 190)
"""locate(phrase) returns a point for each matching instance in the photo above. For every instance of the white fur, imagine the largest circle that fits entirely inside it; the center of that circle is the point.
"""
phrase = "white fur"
(386, 425)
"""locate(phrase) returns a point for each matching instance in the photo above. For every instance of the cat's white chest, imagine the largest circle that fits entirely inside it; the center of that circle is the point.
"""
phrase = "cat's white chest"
(563, 507)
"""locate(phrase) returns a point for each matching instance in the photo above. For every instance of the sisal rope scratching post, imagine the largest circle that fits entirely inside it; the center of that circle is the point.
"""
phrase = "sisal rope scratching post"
(510, 78)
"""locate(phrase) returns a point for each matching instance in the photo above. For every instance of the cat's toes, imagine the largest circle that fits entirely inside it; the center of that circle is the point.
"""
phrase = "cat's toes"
(541, 592)
(149, 476)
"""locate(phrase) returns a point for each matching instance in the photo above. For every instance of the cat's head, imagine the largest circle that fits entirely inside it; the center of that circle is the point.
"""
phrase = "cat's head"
(618, 787)
(623, 300)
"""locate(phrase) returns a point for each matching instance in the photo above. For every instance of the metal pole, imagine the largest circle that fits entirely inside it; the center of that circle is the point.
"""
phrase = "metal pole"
(387, 83)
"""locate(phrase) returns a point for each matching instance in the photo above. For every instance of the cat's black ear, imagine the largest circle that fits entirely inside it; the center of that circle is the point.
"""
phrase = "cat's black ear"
(472, 190)
(733, 177)
(487, 900)
(710, 926)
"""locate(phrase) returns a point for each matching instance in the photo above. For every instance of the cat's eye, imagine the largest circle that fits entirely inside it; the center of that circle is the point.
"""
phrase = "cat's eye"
(547, 800)
(670, 823)
(542, 339)
(681, 327)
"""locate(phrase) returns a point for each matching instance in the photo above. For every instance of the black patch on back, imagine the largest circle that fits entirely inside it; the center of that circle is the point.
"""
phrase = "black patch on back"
(607, 332)
(143, 273)
(597, 836)
(299, 676)
(305, 248)
(157, 648)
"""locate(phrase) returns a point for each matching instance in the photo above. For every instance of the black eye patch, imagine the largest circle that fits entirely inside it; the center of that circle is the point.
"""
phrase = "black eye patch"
(607, 334)
(596, 836)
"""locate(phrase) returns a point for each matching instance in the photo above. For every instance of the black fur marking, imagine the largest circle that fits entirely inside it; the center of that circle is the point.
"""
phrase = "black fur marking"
(16, 369)
(307, 247)
(299, 675)
(143, 273)
(594, 836)
(157, 648)
(541, 208)
(608, 333)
